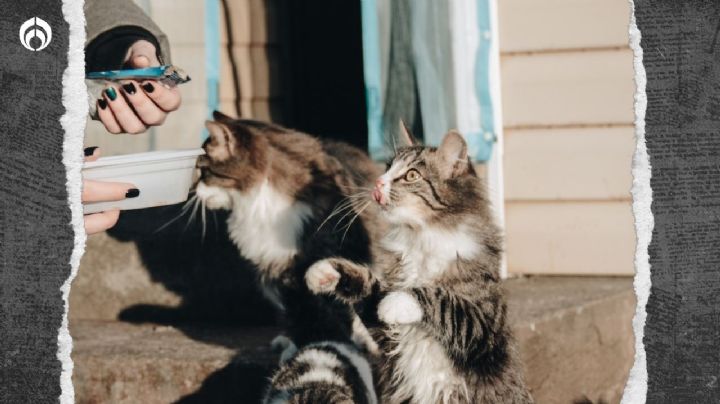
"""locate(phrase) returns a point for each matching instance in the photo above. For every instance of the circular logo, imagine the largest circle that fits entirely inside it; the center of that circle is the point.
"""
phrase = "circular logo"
(35, 34)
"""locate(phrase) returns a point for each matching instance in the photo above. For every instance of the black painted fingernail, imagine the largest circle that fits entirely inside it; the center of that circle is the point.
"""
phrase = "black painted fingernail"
(132, 193)
(102, 103)
(90, 150)
(129, 88)
(111, 93)
(148, 87)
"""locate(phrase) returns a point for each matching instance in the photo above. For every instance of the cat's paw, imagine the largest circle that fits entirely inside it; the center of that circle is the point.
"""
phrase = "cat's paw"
(322, 277)
(400, 308)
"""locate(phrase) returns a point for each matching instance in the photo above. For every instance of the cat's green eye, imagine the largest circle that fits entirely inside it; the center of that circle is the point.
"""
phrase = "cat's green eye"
(412, 175)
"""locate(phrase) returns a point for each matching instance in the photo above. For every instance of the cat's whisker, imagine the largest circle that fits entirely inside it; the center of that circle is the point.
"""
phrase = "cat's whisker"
(341, 207)
(202, 214)
(182, 213)
(358, 187)
(192, 214)
(347, 228)
(365, 193)
(346, 203)
(347, 214)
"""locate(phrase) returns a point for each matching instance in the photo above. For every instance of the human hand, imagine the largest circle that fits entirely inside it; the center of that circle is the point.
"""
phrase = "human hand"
(133, 106)
(97, 191)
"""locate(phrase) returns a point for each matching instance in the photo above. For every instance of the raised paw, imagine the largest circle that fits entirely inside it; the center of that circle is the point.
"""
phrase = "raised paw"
(322, 277)
(400, 308)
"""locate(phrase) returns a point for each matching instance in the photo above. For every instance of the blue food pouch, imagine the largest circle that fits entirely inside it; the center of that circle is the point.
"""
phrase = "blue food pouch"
(167, 74)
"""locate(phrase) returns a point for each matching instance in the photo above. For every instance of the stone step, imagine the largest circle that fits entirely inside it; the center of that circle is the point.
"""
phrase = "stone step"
(574, 335)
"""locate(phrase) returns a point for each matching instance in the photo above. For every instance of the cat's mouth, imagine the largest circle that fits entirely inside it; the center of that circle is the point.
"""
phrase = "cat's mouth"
(213, 197)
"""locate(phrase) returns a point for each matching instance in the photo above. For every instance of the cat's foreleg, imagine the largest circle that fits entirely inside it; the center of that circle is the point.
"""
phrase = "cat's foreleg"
(350, 283)
(468, 326)
(344, 279)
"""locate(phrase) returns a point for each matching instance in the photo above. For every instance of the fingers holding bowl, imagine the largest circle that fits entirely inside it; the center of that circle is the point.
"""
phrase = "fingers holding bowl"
(92, 153)
(100, 191)
(98, 222)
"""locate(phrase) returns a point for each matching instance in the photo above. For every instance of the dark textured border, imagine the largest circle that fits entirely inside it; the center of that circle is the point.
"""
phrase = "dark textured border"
(681, 55)
(36, 239)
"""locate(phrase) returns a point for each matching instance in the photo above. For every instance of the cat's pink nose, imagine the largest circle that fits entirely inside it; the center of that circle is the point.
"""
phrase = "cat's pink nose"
(378, 196)
(377, 193)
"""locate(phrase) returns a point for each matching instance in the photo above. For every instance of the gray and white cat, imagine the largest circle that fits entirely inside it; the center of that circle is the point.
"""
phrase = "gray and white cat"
(282, 188)
(445, 337)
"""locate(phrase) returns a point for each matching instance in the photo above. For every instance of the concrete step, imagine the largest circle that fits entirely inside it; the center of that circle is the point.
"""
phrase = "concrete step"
(165, 275)
(574, 335)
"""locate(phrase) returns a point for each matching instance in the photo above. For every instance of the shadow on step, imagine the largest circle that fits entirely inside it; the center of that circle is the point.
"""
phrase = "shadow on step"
(238, 382)
(201, 265)
(198, 262)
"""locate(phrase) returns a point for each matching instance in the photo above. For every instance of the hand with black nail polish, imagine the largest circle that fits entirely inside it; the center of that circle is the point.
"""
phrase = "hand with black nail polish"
(100, 191)
(133, 106)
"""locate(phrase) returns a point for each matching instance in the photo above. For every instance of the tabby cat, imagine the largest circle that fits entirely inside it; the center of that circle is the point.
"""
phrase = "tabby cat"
(445, 336)
(322, 373)
(283, 189)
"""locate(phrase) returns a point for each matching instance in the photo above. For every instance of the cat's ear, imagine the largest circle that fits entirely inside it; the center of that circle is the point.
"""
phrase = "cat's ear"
(453, 155)
(222, 142)
(219, 116)
(405, 137)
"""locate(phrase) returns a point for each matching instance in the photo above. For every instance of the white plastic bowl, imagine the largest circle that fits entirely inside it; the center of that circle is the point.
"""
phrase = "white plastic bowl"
(163, 177)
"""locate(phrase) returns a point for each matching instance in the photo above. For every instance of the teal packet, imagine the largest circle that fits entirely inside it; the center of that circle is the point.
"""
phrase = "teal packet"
(167, 74)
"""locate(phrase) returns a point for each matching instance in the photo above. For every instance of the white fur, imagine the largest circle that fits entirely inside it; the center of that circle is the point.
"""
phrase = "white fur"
(318, 358)
(387, 179)
(424, 370)
(265, 224)
(405, 215)
(428, 252)
(322, 277)
(213, 197)
(362, 338)
(321, 375)
(400, 308)
(322, 367)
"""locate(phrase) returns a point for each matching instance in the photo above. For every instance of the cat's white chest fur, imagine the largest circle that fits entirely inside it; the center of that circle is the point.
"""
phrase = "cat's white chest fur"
(424, 370)
(266, 225)
(428, 252)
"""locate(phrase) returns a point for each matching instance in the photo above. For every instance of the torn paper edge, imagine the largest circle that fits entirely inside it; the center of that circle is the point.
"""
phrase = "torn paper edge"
(74, 99)
(636, 387)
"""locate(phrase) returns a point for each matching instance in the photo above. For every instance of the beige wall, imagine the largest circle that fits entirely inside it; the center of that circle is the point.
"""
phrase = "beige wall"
(257, 52)
(567, 89)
